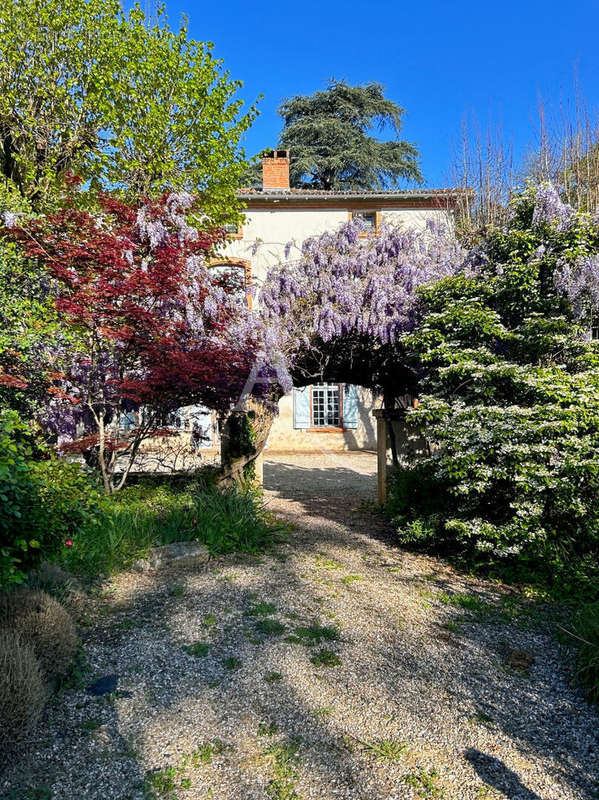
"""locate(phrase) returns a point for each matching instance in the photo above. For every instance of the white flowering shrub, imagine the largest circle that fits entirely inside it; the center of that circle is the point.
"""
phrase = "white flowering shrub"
(509, 377)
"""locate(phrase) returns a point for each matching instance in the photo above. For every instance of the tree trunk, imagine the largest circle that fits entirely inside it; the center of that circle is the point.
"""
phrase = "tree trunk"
(243, 437)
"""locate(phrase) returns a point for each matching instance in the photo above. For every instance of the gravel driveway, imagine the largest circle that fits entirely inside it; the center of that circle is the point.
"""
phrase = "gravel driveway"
(337, 667)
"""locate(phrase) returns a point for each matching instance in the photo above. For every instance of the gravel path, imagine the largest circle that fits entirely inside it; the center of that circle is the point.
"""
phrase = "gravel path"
(339, 667)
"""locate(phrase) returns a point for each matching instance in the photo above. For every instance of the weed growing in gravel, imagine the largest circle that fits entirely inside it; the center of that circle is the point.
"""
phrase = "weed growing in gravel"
(322, 712)
(270, 627)
(272, 677)
(204, 754)
(267, 729)
(176, 590)
(467, 601)
(452, 626)
(197, 649)
(232, 663)
(481, 718)
(325, 658)
(284, 759)
(91, 724)
(386, 749)
(261, 610)
(129, 624)
(32, 793)
(163, 781)
(351, 579)
(309, 635)
(209, 621)
(79, 672)
(327, 563)
(426, 784)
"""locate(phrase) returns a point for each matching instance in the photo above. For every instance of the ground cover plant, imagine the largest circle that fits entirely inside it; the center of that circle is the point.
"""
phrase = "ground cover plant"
(155, 513)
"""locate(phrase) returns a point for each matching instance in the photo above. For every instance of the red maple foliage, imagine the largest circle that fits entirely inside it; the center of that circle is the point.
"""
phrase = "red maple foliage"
(146, 322)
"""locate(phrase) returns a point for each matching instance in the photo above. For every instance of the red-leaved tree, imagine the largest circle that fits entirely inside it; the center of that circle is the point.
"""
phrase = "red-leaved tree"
(145, 326)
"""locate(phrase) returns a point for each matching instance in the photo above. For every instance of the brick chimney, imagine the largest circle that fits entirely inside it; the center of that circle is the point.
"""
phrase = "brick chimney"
(275, 170)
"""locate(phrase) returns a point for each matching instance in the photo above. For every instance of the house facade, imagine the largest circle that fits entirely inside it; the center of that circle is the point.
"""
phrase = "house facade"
(321, 416)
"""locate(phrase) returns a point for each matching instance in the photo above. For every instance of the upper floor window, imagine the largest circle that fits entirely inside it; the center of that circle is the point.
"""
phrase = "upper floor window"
(370, 220)
(235, 277)
(234, 230)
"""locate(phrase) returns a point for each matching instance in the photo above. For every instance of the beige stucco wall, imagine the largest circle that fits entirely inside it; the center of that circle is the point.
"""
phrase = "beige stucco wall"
(285, 438)
(273, 229)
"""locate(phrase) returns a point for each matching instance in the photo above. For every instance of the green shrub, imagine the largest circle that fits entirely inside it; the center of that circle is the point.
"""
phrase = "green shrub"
(43, 504)
(586, 629)
(509, 402)
(42, 622)
(22, 688)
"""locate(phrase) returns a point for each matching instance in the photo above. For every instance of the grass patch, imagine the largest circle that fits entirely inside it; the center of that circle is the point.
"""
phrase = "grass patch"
(325, 658)
(197, 649)
(386, 749)
(149, 514)
(273, 677)
(284, 758)
(585, 634)
(425, 783)
(270, 627)
(267, 729)
(204, 754)
(232, 662)
(469, 602)
(91, 725)
(351, 579)
(327, 563)
(315, 633)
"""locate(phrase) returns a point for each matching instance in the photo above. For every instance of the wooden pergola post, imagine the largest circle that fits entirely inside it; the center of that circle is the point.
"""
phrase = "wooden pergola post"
(381, 454)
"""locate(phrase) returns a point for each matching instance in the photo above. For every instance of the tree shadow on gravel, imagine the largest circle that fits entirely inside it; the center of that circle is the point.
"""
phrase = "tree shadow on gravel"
(494, 773)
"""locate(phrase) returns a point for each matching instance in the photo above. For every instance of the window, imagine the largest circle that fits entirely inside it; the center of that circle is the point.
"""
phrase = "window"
(325, 406)
(234, 230)
(235, 278)
(369, 219)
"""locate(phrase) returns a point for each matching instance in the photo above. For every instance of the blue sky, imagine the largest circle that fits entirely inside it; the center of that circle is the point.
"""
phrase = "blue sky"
(439, 60)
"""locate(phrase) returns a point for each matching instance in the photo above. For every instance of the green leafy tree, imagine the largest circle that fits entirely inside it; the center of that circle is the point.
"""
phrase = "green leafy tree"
(330, 136)
(88, 88)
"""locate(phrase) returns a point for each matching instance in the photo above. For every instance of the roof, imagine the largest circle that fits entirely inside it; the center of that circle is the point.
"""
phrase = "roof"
(324, 195)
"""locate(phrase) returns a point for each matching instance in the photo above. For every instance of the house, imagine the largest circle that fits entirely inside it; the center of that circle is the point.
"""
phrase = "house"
(322, 416)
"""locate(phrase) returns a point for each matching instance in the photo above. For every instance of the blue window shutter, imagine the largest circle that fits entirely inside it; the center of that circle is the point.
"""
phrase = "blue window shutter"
(350, 406)
(127, 420)
(301, 407)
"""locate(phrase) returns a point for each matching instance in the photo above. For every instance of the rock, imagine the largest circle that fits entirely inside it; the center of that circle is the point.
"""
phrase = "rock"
(105, 685)
(179, 552)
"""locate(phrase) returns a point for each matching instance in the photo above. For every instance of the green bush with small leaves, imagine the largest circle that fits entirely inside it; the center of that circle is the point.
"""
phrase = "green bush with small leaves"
(509, 403)
(43, 503)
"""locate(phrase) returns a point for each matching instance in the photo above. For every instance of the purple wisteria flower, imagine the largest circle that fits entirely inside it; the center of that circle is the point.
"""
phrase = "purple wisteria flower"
(549, 208)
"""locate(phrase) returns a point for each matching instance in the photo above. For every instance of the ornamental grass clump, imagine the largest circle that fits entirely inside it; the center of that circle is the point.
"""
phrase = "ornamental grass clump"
(22, 687)
(42, 622)
(586, 631)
